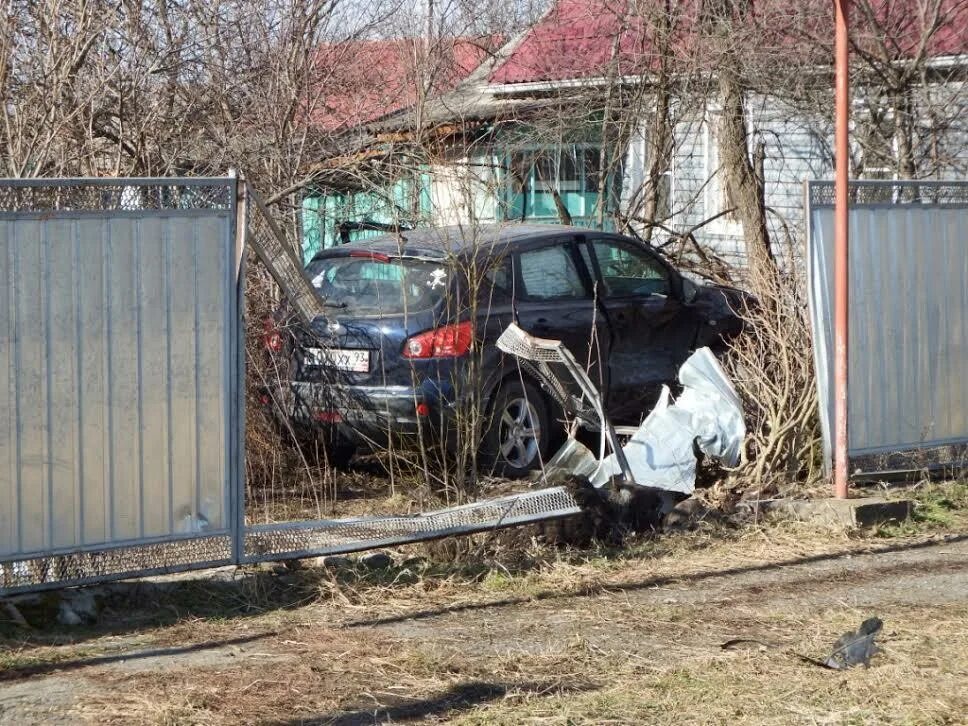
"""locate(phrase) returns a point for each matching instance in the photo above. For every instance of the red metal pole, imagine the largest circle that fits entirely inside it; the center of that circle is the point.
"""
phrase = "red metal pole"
(840, 250)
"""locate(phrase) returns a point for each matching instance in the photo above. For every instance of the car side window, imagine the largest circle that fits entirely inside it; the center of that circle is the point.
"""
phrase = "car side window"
(627, 271)
(550, 273)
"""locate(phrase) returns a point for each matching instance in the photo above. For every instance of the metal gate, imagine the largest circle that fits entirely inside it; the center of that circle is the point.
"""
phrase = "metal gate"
(122, 388)
(908, 321)
(120, 406)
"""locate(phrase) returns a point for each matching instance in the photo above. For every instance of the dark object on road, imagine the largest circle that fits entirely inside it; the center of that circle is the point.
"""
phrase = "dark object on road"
(855, 648)
(609, 514)
(408, 336)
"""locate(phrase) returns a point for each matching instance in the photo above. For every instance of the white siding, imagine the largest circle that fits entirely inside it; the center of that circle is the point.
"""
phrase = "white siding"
(464, 190)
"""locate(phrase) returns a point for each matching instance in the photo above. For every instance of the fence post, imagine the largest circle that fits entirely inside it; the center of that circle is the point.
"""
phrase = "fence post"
(238, 481)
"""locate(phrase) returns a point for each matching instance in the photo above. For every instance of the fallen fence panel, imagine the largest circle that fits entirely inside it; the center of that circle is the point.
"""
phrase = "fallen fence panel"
(324, 537)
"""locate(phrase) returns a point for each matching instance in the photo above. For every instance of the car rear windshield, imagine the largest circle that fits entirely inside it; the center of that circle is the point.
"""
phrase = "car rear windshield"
(377, 286)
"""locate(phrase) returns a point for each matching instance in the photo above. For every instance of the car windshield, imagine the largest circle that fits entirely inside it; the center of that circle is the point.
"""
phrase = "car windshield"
(379, 286)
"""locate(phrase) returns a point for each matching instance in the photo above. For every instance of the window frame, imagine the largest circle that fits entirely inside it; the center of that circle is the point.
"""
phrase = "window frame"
(533, 186)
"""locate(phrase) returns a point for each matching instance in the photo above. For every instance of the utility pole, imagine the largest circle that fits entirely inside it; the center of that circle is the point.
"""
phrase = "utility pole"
(841, 259)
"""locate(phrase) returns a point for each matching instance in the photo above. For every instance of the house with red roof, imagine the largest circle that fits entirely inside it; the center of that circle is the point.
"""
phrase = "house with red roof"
(557, 124)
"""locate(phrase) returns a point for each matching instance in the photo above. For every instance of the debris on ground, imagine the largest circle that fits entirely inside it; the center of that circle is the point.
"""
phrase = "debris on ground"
(546, 359)
(638, 483)
(856, 647)
(609, 513)
(687, 515)
(708, 415)
(334, 562)
(662, 453)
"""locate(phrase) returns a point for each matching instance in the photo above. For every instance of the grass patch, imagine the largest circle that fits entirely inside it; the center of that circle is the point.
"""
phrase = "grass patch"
(938, 506)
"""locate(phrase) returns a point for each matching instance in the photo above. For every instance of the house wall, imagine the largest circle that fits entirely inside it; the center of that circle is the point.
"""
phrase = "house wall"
(464, 188)
(468, 184)
(797, 148)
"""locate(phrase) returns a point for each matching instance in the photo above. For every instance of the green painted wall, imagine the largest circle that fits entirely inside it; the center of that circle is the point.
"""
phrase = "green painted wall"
(323, 211)
(578, 186)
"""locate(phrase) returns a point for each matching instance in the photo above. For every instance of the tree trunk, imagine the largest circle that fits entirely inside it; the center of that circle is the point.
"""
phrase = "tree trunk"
(904, 134)
(660, 151)
(745, 188)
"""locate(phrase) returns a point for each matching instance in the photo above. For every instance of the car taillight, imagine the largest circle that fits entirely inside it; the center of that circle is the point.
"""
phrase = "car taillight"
(271, 336)
(450, 341)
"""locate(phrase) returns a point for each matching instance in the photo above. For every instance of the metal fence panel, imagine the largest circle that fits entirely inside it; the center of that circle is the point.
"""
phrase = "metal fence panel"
(908, 320)
(118, 377)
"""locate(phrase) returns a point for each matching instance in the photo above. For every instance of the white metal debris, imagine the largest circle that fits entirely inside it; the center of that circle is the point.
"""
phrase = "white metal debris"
(661, 453)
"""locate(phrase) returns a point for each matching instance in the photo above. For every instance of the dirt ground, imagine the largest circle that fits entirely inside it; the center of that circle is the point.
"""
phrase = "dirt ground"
(713, 626)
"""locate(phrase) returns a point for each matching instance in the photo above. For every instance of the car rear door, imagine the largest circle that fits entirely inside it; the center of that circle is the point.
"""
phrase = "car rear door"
(553, 299)
(652, 331)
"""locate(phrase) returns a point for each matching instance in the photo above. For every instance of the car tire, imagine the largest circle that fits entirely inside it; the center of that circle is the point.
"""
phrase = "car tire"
(516, 439)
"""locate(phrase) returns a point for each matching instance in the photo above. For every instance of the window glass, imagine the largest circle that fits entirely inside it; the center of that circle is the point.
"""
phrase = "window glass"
(369, 285)
(592, 160)
(627, 271)
(568, 168)
(550, 273)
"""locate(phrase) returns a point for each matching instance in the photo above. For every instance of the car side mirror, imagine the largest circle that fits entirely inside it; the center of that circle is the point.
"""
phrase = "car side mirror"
(690, 290)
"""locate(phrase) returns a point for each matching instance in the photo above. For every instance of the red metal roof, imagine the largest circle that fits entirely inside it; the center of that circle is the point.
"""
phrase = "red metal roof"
(580, 39)
(361, 81)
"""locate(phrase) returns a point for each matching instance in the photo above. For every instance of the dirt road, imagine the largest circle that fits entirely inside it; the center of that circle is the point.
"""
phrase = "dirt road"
(629, 640)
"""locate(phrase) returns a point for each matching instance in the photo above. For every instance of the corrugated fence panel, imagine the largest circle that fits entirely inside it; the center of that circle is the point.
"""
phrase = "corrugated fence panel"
(117, 375)
(908, 354)
(9, 504)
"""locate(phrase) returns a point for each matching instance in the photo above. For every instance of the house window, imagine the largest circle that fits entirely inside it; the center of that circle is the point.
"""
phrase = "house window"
(536, 175)
(717, 196)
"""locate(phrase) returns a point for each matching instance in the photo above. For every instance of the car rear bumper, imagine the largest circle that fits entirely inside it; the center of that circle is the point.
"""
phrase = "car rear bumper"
(365, 414)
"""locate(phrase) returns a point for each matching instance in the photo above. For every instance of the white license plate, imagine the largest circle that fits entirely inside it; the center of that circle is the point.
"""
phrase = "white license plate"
(357, 361)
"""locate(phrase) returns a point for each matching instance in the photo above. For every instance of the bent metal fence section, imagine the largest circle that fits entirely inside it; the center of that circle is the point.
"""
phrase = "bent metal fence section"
(119, 378)
(908, 321)
(322, 537)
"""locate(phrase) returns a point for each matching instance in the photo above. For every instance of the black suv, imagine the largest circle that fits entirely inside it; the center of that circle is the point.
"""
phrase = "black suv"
(414, 317)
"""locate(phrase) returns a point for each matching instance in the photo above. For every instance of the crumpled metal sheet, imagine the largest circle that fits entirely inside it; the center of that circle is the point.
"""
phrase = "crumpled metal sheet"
(714, 407)
(661, 453)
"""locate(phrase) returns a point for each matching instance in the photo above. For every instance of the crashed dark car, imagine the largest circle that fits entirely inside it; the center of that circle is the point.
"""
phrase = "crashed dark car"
(408, 337)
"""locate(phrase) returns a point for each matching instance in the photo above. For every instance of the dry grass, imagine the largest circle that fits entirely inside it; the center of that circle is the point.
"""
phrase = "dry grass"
(515, 632)
(918, 679)
(675, 673)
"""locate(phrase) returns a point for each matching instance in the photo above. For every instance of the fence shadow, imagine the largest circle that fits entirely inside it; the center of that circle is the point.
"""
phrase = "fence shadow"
(39, 669)
(458, 698)
(142, 606)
